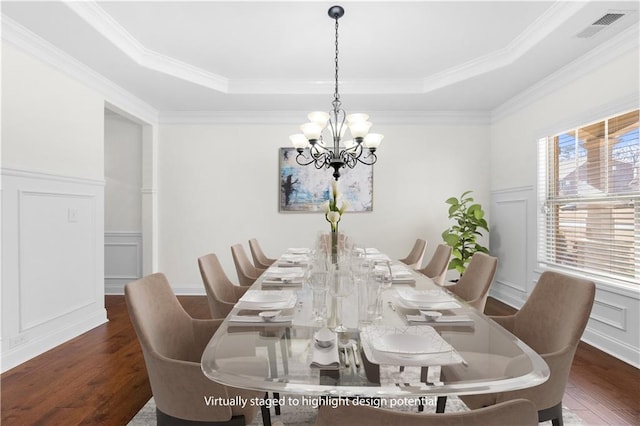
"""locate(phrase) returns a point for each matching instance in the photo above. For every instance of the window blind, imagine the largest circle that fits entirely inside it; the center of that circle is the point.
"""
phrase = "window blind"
(589, 180)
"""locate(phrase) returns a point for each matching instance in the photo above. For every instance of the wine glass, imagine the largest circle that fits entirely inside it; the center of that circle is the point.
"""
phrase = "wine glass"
(341, 286)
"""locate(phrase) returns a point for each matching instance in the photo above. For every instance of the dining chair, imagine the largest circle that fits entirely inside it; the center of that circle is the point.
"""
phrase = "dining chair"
(247, 273)
(511, 413)
(222, 294)
(436, 269)
(260, 260)
(473, 285)
(414, 258)
(551, 322)
(172, 344)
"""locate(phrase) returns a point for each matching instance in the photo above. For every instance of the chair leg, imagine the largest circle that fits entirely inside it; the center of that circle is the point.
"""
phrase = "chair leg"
(553, 413)
(276, 397)
(266, 413)
(440, 404)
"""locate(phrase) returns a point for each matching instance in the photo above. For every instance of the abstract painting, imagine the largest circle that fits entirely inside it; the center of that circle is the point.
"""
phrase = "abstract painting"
(305, 188)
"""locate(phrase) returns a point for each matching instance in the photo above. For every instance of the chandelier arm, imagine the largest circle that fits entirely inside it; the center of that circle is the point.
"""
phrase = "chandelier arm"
(373, 158)
(301, 156)
(349, 160)
(355, 151)
(318, 149)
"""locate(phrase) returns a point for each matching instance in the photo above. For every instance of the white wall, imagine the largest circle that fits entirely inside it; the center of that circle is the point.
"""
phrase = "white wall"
(123, 201)
(50, 123)
(571, 98)
(218, 185)
(122, 174)
(52, 208)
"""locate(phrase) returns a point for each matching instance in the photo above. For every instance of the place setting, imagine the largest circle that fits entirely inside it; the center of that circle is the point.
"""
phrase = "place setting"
(419, 346)
(289, 260)
(264, 308)
(283, 277)
(437, 299)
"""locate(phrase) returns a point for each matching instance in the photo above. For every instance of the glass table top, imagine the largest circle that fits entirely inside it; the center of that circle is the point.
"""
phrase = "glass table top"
(462, 352)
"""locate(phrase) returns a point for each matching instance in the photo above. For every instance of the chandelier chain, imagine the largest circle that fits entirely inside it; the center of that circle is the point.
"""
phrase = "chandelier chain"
(336, 95)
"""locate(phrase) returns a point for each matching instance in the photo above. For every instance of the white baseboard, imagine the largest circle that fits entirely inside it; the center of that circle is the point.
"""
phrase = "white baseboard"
(613, 347)
(43, 343)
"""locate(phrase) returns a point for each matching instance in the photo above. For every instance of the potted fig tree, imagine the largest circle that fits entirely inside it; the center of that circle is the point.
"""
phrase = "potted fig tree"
(463, 235)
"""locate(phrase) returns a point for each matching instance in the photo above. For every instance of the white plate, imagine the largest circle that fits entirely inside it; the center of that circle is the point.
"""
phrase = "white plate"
(299, 250)
(267, 300)
(400, 341)
(270, 296)
(439, 351)
(426, 306)
(424, 296)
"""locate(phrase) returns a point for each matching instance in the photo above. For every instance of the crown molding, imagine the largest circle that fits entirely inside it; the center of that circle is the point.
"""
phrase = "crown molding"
(295, 117)
(30, 43)
(617, 46)
(106, 25)
(537, 31)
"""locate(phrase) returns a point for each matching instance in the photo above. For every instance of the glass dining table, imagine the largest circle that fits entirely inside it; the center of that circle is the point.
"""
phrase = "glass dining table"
(399, 354)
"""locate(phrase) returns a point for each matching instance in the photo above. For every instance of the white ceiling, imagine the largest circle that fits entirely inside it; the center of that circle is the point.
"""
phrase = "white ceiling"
(278, 56)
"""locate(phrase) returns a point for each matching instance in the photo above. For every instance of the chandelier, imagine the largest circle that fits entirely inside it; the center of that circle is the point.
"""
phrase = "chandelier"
(360, 149)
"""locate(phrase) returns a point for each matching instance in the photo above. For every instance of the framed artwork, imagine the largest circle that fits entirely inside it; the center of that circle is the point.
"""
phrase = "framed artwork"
(305, 188)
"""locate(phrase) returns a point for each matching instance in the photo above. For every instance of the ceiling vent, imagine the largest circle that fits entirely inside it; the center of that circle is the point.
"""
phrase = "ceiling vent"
(599, 25)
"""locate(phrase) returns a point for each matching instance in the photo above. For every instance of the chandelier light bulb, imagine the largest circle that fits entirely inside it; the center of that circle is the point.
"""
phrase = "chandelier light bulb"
(359, 129)
(311, 131)
(299, 141)
(373, 140)
(319, 117)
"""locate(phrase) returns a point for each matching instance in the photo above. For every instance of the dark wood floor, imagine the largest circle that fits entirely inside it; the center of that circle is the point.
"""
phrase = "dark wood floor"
(100, 378)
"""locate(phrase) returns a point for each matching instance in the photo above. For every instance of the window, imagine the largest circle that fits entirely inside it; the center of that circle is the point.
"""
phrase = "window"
(590, 189)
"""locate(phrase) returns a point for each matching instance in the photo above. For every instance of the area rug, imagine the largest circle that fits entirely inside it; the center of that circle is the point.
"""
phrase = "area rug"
(306, 415)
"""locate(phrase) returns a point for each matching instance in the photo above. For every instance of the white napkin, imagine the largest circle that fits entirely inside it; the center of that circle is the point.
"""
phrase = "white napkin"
(461, 320)
(326, 358)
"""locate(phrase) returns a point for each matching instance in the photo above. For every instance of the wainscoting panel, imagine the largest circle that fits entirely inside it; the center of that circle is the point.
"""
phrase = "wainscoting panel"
(52, 261)
(122, 260)
(55, 253)
(614, 325)
(512, 218)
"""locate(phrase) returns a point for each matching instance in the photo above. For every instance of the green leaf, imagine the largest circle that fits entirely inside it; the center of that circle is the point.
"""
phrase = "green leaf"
(452, 200)
(451, 239)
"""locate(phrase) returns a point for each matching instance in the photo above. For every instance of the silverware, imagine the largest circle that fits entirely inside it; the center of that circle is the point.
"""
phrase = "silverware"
(356, 357)
(346, 357)
(393, 308)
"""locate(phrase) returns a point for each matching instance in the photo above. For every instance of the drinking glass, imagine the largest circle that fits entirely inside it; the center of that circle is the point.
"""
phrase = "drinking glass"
(369, 292)
(383, 275)
(340, 287)
(318, 285)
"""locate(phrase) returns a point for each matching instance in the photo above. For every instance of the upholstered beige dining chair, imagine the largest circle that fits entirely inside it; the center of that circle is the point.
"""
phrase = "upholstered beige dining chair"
(172, 344)
(512, 413)
(222, 294)
(260, 260)
(436, 269)
(414, 258)
(473, 285)
(247, 273)
(551, 322)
